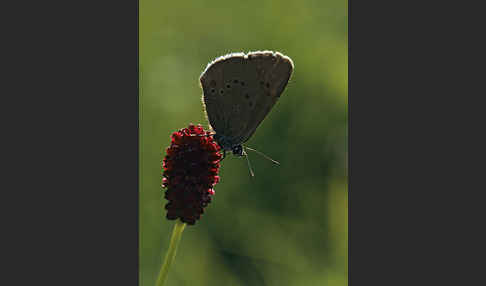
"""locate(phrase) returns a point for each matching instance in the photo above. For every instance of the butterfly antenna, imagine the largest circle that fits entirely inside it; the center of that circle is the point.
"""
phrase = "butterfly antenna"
(249, 165)
(266, 157)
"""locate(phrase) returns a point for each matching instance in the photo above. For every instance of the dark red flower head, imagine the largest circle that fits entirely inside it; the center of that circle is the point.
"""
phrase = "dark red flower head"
(190, 172)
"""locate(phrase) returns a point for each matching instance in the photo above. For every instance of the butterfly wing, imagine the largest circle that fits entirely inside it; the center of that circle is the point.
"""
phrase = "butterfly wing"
(240, 90)
(273, 73)
(217, 97)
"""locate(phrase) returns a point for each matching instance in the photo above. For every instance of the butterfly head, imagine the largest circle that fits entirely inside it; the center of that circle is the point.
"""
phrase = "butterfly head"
(237, 150)
(228, 144)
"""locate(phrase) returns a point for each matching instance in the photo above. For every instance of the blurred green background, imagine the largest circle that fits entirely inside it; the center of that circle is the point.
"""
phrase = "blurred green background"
(289, 224)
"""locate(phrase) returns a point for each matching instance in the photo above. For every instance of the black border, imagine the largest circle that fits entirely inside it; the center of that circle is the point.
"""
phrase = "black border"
(412, 114)
(72, 110)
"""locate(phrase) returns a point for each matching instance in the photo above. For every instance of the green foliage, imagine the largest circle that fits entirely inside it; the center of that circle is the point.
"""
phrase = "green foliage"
(288, 225)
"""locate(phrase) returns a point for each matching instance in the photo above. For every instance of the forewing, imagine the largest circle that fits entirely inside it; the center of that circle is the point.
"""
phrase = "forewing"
(273, 71)
(239, 91)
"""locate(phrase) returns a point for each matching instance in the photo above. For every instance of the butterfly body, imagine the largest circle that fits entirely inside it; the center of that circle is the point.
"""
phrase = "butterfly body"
(239, 90)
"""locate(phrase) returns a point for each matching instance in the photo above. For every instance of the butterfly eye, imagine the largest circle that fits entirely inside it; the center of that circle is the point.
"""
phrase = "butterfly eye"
(221, 91)
(242, 83)
(235, 81)
(213, 90)
(228, 86)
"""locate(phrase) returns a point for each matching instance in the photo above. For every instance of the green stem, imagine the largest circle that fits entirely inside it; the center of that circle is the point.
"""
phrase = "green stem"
(171, 253)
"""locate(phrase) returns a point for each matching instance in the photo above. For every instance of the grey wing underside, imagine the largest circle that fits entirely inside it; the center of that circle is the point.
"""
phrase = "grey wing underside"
(240, 90)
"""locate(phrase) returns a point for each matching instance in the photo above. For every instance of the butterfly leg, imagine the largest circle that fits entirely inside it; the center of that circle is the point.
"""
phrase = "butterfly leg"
(224, 155)
(248, 161)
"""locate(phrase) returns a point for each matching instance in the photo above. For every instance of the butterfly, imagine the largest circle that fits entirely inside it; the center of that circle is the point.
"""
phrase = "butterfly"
(239, 90)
